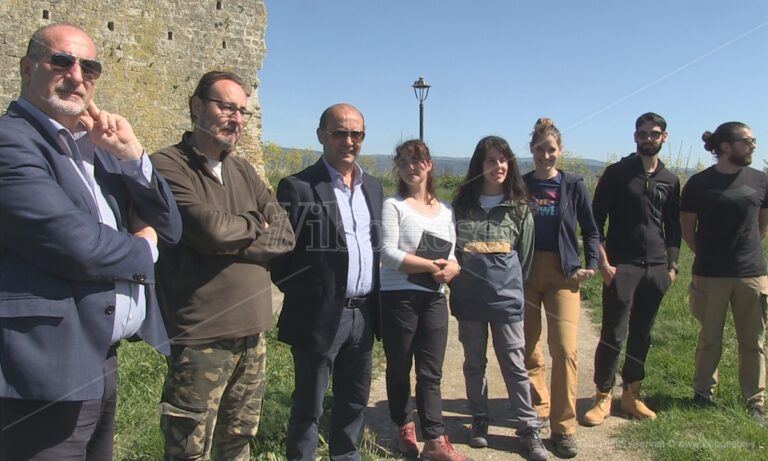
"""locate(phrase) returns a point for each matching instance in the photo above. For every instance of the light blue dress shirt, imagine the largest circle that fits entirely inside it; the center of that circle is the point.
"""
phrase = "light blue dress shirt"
(356, 219)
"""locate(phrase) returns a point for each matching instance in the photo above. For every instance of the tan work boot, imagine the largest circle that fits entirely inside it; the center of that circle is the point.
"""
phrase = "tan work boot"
(601, 409)
(440, 449)
(633, 405)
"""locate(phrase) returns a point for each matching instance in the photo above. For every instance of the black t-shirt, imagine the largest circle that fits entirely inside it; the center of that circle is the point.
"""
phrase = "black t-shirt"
(727, 208)
(544, 203)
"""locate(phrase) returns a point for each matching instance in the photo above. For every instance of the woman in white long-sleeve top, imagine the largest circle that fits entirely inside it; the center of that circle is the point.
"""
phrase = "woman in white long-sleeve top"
(414, 309)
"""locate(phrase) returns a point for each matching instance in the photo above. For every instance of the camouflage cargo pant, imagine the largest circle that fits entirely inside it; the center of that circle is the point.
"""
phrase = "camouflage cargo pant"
(212, 398)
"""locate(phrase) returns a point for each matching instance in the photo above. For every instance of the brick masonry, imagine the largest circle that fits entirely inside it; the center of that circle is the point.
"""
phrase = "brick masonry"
(153, 53)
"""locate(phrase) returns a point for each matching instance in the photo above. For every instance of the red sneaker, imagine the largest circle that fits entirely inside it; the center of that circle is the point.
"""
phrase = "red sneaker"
(440, 449)
(406, 440)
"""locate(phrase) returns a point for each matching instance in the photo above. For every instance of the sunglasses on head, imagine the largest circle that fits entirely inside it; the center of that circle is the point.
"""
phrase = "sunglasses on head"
(64, 61)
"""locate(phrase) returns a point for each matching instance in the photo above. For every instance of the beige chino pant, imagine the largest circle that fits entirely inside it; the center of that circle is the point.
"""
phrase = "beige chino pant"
(560, 297)
(709, 299)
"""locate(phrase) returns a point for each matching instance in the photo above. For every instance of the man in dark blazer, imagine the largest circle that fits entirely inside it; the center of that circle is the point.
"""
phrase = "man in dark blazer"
(81, 213)
(331, 284)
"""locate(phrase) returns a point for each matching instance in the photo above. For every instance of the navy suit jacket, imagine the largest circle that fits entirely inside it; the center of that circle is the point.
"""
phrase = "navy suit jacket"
(58, 263)
(313, 276)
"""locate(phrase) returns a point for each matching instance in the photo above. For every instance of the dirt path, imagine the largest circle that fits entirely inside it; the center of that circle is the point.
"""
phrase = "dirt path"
(595, 443)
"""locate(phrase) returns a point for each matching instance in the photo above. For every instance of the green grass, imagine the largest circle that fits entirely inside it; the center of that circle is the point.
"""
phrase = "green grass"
(140, 381)
(142, 371)
(683, 432)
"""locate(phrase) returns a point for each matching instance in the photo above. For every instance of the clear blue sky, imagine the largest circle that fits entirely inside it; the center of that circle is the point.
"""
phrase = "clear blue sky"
(496, 66)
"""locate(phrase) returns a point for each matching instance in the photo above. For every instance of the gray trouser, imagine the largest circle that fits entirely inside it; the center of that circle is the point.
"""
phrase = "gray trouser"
(509, 344)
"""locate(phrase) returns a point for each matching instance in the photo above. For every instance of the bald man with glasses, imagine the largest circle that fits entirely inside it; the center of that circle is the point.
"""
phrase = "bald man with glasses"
(331, 285)
(81, 214)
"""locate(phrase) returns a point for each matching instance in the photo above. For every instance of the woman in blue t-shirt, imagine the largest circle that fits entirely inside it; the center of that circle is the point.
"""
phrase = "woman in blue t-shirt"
(558, 201)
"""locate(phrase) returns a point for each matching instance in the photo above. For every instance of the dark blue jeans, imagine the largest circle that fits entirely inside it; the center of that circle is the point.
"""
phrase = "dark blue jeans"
(415, 328)
(348, 362)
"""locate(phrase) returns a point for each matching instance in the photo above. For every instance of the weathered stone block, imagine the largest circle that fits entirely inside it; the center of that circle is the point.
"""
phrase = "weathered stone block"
(153, 54)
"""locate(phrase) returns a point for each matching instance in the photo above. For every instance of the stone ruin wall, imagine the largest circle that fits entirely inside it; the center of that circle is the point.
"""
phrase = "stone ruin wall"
(153, 52)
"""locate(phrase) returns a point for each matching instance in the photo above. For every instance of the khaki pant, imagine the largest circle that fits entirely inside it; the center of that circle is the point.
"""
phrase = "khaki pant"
(547, 285)
(709, 300)
(212, 399)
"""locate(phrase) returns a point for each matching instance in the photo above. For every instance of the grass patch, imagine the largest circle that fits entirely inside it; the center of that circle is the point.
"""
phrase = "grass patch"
(140, 382)
(142, 372)
(683, 432)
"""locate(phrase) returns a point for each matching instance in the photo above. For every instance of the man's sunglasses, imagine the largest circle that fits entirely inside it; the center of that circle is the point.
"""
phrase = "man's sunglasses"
(64, 61)
(341, 135)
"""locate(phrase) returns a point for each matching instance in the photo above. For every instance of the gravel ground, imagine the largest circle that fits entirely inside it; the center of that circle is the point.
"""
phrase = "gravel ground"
(595, 443)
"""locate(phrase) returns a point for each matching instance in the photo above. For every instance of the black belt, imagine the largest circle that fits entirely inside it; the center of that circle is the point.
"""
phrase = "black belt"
(354, 303)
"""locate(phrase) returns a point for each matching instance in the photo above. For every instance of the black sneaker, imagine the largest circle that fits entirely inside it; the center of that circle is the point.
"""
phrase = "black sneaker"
(478, 436)
(534, 446)
(702, 401)
(757, 412)
(565, 445)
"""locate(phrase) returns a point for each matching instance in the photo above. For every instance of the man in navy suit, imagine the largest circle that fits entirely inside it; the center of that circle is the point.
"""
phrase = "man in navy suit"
(331, 284)
(81, 213)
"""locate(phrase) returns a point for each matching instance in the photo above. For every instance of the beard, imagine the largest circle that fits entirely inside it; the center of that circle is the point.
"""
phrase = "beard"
(60, 106)
(65, 107)
(229, 136)
(223, 137)
(740, 160)
(648, 149)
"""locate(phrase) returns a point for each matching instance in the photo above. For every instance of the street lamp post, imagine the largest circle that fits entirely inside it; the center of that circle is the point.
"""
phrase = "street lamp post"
(421, 90)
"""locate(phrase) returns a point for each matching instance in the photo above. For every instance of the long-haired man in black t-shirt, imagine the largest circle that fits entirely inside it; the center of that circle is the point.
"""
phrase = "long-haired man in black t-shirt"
(724, 217)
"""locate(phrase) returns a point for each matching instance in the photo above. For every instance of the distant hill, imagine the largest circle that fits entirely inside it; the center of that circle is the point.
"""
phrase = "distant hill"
(455, 166)
(451, 166)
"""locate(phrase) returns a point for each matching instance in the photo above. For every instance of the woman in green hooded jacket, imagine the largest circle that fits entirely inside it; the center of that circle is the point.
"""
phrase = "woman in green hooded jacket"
(494, 247)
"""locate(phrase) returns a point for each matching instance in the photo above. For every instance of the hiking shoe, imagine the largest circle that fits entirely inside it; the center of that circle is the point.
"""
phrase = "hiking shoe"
(406, 440)
(702, 401)
(601, 408)
(478, 436)
(534, 446)
(440, 449)
(757, 412)
(633, 404)
(565, 445)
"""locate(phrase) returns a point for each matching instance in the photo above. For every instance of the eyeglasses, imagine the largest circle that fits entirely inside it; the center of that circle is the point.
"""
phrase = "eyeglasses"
(653, 135)
(64, 61)
(229, 109)
(341, 135)
(751, 142)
